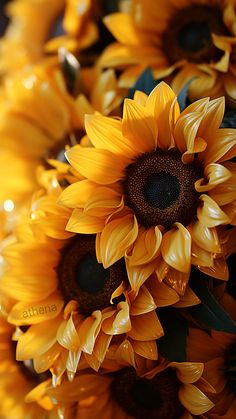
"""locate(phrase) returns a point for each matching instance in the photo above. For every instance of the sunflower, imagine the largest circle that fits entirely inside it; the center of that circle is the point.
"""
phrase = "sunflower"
(171, 390)
(156, 187)
(218, 351)
(79, 306)
(184, 40)
(38, 28)
(23, 391)
(38, 119)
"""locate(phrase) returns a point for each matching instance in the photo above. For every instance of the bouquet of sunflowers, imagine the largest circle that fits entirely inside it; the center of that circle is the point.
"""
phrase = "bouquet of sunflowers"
(118, 209)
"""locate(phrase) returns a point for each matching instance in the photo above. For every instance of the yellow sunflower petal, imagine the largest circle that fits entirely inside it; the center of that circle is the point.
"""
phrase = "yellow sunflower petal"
(89, 330)
(139, 126)
(106, 133)
(146, 349)
(177, 280)
(162, 294)
(210, 214)
(216, 174)
(24, 313)
(194, 400)
(188, 372)
(75, 195)
(176, 248)
(120, 321)
(143, 303)
(116, 238)
(100, 166)
(218, 270)
(80, 222)
(103, 202)
(222, 146)
(67, 335)
(146, 246)
(204, 237)
(146, 327)
(159, 103)
(212, 119)
(138, 274)
(125, 354)
(101, 346)
(122, 28)
(37, 339)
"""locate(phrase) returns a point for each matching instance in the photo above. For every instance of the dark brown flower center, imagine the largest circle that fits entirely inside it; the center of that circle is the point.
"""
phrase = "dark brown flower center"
(83, 279)
(231, 283)
(143, 398)
(160, 188)
(230, 368)
(189, 35)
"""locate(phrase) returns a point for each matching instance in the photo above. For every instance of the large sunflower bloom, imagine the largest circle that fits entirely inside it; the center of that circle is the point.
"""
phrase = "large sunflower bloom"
(79, 306)
(185, 39)
(171, 390)
(23, 391)
(218, 351)
(38, 28)
(156, 187)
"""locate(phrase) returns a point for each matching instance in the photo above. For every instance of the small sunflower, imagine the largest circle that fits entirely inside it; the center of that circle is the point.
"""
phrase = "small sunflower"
(23, 391)
(218, 351)
(156, 187)
(171, 390)
(78, 306)
(184, 40)
(38, 28)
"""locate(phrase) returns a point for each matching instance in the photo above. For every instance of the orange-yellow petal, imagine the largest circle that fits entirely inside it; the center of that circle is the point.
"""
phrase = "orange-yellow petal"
(210, 214)
(194, 400)
(116, 238)
(176, 248)
(100, 166)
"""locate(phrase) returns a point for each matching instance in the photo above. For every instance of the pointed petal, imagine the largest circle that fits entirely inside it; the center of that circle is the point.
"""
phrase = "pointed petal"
(67, 335)
(75, 195)
(204, 237)
(146, 327)
(37, 339)
(194, 400)
(100, 166)
(120, 321)
(80, 222)
(106, 133)
(176, 248)
(147, 350)
(210, 214)
(143, 303)
(139, 126)
(138, 274)
(146, 246)
(177, 280)
(122, 28)
(125, 354)
(215, 174)
(103, 202)
(116, 238)
(222, 147)
(162, 294)
(89, 330)
(25, 313)
(188, 372)
(160, 103)
(189, 299)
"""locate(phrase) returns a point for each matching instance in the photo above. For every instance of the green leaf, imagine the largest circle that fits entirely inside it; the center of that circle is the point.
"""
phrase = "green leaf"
(173, 344)
(209, 313)
(145, 83)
